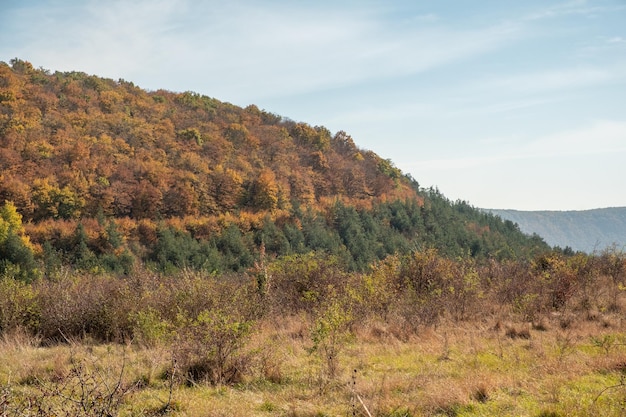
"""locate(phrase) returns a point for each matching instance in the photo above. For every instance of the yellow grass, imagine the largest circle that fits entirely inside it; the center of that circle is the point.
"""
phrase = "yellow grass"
(467, 369)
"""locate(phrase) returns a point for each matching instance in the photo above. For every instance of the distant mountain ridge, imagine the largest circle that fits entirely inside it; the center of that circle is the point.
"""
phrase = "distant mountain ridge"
(586, 230)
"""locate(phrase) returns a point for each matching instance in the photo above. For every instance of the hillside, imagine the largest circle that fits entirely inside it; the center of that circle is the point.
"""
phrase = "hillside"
(105, 174)
(587, 230)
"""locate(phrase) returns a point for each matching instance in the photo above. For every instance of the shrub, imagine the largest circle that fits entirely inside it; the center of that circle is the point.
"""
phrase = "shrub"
(425, 278)
(213, 323)
(298, 283)
(375, 294)
(18, 306)
(208, 347)
(331, 331)
(149, 328)
(97, 306)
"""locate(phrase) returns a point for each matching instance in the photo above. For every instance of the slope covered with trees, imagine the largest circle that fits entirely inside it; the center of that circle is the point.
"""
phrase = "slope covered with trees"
(106, 175)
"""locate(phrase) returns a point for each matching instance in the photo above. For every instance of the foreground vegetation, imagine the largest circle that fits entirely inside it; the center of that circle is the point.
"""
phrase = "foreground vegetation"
(299, 336)
(454, 370)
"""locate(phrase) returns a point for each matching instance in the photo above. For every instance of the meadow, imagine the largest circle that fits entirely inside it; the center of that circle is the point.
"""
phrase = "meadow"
(472, 369)
(303, 338)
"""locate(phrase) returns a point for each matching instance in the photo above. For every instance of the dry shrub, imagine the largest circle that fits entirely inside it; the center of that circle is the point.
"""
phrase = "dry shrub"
(19, 338)
(144, 306)
(593, 315)
(378, 331)
(210, 348)
(209, 345)
(541, 325)
(97, 306)
(610, 322)
(374, 331)
(83, 384)
(298, 283)
(515, 332)
(424, 279)
(265, 346)
(270, 365)
(401, 328)
(291, 327)
(464, 291)
(566, 321)
(480, 393)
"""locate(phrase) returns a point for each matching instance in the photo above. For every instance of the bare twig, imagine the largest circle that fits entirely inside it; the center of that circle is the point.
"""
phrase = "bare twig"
(364, 406)
(622, 384)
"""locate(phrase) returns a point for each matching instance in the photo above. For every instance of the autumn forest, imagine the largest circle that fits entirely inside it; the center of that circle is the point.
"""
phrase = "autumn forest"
(104, 174)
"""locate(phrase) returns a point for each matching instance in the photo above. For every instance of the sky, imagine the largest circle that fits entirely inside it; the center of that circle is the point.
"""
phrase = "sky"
(503, 104)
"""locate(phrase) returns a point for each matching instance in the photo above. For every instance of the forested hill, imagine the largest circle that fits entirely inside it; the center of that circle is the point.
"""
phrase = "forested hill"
(584, 230)
(105, 174)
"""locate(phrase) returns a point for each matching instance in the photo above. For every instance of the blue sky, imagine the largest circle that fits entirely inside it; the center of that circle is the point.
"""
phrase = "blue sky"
(504, 104)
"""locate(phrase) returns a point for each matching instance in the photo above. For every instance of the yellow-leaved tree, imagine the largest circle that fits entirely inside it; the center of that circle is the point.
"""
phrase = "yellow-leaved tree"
(16, 251)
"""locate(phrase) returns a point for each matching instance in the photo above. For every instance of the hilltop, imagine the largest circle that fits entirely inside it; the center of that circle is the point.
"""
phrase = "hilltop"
(185, 180)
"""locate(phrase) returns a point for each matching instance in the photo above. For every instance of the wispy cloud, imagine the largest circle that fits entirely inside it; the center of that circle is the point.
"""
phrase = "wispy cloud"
(616, 39)
(574, 7)
(499, 106)
(105, 38)
(429, 17)
(489, 96)
(298, 51)
(260, 50)
(602, 137)
(555, 79)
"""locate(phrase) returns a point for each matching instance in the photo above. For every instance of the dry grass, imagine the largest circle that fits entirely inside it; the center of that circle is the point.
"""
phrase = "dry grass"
(462, 369)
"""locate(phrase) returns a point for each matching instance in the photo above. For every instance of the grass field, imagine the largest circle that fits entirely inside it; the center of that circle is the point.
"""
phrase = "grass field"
(564, 366)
